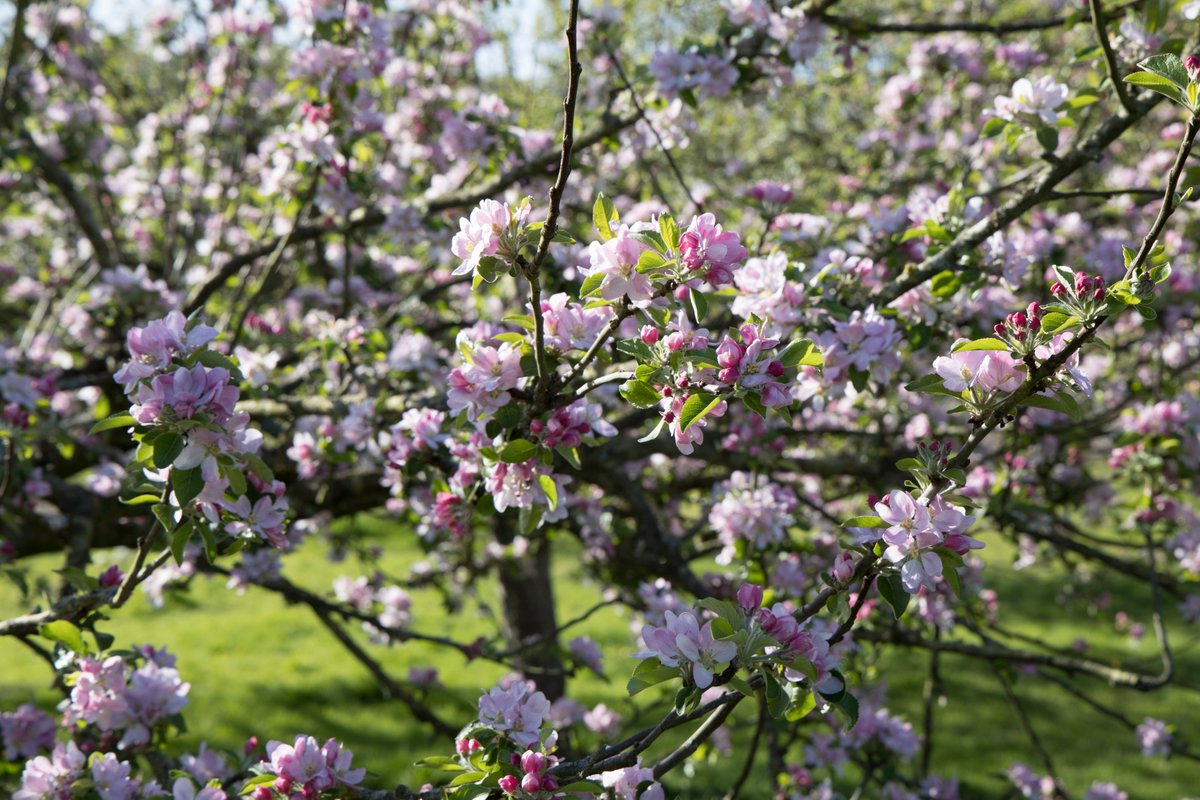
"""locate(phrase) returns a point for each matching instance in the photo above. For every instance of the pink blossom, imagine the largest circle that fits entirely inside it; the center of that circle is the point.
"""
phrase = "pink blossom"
(705, 246)
(683, 642)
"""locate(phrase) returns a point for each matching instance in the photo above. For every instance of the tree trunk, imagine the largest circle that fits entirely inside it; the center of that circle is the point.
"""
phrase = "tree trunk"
(527, 594)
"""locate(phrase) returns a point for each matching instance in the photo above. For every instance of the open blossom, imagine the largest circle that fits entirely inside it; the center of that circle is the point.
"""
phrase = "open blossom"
(153, 346)
(1153, 737)
(50, 778)
(517, 711)
(617, 261)
(480, 388)
(987, 370)
(623, 783)
(483, 234)
(571, 326)
(312, 767)
(757, 511)
(25, 732)
(683, 642)
(1039, 99)
(184, 789)
(867, 342)
(706, 247)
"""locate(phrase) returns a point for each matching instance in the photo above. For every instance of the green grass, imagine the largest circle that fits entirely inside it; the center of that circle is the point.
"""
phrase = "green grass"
(258, 667)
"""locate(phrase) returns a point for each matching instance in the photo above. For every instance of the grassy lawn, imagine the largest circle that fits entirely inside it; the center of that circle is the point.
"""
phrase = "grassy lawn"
(260, 668)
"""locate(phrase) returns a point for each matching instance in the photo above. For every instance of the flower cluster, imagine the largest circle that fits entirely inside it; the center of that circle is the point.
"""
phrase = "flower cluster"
(747, 365)
(753, 511)
(305, 769)
(515, 710)
(980, 373)
(915, 529)
(493, 233)
(705, 247)
(683, 642)
(865, 345)
(534, 765)
(115, 700)
(25, 732)
(184, 404)
(1084, 295)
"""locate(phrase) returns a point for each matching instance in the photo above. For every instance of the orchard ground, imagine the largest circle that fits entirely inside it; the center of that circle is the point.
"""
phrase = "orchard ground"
(259, 667)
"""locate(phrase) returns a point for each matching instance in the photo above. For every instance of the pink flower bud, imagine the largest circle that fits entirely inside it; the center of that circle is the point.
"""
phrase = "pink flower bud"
(514, 759)
(509, 784)
(549, 784)
(536, 426)
(775, 369)
(112, 577)
(531, 783)
(461, 747)
(649, 334)
(283, 785)
(262, 793)
(533, 762)
(1035, 309)
(750, 596)
(251, 745)
(1192, 65)
(766, 620)
(730, 353)
(1058, 290)
(728, 375)
(843, 567)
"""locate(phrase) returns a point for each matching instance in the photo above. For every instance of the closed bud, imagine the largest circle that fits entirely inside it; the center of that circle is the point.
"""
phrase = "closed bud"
(1058, 290)
(533, 762)
(1192, 65)
(509, 784)
(261, 793)
(549, 784)
(283, 785)
(775, 369)
(750, 597)
(531, 783)
(649, 334)
(766, 620)
(999, 328)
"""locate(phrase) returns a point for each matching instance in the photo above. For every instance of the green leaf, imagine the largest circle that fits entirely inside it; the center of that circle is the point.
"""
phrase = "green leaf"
(695, 408)
(179, 540)
(1062, 402)
(777, 699)
(604, 216)
(699, 305)
(1169, 66)
(258, 467)
(187, 484)
(1155, 83)
(119, 420)
(670, 231)
(650, 672)
(794, 353)
(521, 320)
(803, 702)
(945, 284)
(518, 451)
(167, 448)
(551, 490)
(640, 393)
(909, 465)
(570, 455)
(66, 634)
(848, 704)
(468, 777)
(1047, 137)
(214, 360)
(930, 384)
(650, 239)
(993, 127)
(864, 522)
(591, 284)
(990, 343)
(650, 260)
(256, 781)
(892, 590)
(165, 514)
